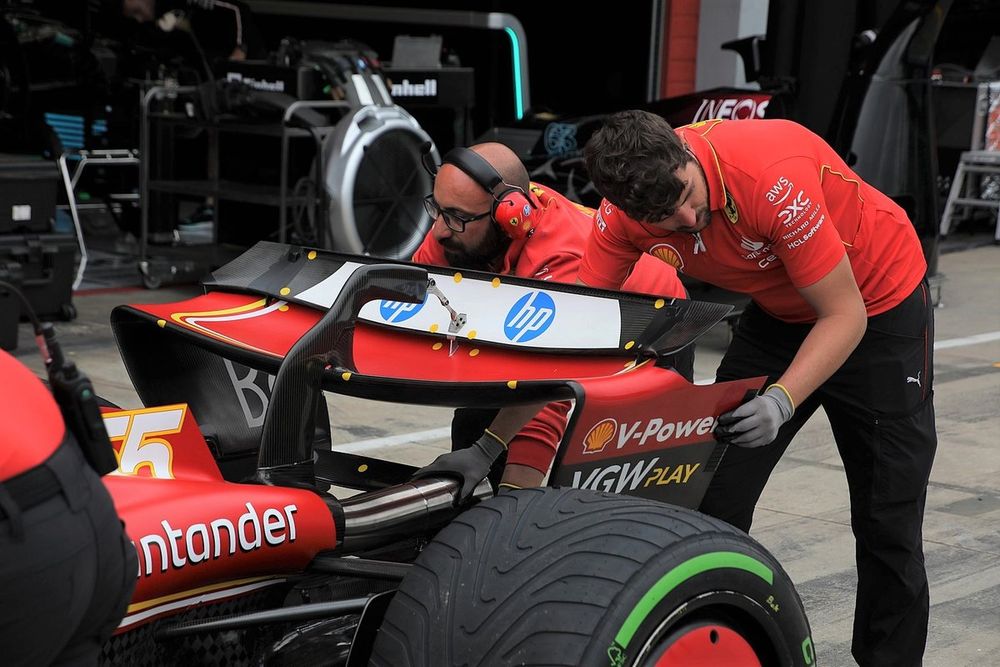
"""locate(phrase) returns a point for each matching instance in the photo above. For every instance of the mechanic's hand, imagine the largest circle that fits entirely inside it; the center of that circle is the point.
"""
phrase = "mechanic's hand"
(756, 422)
(470, 465)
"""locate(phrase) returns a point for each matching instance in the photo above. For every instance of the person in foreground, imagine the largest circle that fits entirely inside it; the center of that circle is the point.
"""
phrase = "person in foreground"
(840, 317)
(67, 567)
(488, 216)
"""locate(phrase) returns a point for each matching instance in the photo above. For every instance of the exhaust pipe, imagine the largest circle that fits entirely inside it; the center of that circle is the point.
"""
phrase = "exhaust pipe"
(388, 515)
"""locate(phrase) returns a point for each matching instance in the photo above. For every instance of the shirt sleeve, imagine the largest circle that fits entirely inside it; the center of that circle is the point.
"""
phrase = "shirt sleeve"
(610, 253)
(535, 445)
(651, 276)
(792, 211)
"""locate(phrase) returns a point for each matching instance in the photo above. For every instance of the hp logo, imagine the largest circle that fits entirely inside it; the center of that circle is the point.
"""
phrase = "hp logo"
(529, 317)
(398, 311)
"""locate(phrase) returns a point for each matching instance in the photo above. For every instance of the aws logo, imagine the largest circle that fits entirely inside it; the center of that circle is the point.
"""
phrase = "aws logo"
(399, 311)
(529, 317)
(667, 253)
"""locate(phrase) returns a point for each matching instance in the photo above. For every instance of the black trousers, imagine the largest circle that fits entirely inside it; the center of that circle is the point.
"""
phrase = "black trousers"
(880, 405)
(468, 424)
(67, 570)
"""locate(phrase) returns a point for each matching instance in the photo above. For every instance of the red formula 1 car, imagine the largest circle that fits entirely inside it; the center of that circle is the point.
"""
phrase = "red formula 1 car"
(246, 558)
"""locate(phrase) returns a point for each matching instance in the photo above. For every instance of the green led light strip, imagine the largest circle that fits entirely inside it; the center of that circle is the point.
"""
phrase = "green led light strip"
(515, 48)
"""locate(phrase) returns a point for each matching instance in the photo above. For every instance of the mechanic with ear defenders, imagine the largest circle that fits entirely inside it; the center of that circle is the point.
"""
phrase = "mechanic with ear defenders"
(488, 216)
(67, 568)
(840, 317)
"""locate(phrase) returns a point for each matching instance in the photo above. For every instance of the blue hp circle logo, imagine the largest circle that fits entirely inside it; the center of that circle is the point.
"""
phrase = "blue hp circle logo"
(399, 311)
(529, 317)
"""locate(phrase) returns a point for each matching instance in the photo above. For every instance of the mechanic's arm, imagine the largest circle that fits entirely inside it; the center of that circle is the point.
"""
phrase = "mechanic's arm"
(537, 430)
(841, 321)
(472, 464)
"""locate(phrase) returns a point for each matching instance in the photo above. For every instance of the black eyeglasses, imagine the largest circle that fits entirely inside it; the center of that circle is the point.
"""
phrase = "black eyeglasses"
(456, 222)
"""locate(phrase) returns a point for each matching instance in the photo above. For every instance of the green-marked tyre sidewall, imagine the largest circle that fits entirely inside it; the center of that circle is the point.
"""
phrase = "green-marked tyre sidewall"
(681, 582)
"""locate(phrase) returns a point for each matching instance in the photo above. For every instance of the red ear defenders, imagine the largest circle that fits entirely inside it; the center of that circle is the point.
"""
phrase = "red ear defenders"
(512, 206)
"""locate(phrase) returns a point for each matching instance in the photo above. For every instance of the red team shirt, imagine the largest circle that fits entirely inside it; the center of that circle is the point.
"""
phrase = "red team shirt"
(785, 209)
(33, 426)
(553, 252)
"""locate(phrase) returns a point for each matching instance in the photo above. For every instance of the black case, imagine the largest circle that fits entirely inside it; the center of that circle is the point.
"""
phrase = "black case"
(28, 190)
(47, 262)
(10, 305)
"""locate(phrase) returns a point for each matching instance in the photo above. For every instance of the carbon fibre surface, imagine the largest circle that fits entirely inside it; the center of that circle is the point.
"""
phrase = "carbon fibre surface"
(139, 648)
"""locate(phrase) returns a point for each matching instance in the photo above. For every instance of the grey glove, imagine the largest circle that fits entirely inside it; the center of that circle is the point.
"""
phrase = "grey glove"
(469, 466)
(756, 422)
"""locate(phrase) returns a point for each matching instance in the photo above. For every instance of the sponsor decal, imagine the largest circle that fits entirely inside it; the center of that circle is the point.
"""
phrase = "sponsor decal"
(599, 436)
(559, 138)
(276, 86)
(758, 249)
(794, 211)
(529, 317)
(200, 542)
(526, 211)
(733, 108)
(667, 253)
(599, 221)
(630, 475)
(805, 237)
(429, 88)
(399, 311)
(252, 397)
(779, 192)
(802, 213)
(732, 214)
(662, 431)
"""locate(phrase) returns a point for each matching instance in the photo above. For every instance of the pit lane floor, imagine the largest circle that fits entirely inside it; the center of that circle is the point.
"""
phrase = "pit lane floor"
(803, 516)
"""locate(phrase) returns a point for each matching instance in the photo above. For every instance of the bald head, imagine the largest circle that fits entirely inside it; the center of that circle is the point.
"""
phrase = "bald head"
(507, 164)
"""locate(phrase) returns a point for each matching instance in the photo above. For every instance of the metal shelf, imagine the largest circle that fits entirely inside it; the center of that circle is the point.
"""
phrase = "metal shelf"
(280, 196)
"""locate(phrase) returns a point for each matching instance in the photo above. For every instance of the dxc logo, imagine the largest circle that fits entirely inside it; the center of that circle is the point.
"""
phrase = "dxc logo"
(399, 311)
(529, 317)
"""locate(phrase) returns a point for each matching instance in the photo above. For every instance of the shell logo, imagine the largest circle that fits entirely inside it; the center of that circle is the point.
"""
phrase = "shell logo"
(599, 436)
(667, 253)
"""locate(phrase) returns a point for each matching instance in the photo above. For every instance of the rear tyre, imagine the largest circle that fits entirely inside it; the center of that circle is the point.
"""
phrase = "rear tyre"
(570, 577)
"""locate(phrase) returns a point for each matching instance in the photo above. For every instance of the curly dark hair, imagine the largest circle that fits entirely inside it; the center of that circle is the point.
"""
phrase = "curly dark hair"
(633, 160)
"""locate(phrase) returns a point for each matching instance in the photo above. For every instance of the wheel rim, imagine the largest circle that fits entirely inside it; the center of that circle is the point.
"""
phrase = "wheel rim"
(704, 644)
(738, 621)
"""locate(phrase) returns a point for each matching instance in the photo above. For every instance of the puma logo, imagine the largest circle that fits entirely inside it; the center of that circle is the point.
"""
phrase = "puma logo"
(914, 379)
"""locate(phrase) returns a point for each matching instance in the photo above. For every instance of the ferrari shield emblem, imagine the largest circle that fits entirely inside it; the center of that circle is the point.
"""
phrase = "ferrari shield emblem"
(730, 209)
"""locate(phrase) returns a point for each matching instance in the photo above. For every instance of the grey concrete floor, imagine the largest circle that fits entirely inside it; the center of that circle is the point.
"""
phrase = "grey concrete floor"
(803, 515)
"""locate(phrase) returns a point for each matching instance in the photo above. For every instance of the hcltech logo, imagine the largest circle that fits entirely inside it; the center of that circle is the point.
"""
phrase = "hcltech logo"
(529, 317)
(399, 311)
